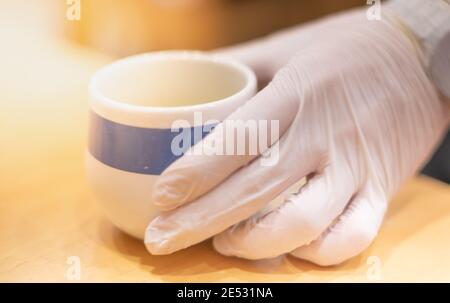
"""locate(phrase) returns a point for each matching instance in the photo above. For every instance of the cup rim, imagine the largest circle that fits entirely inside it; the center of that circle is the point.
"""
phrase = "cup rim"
(97, 96)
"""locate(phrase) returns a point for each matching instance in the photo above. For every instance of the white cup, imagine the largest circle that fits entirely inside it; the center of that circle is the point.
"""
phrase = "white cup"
(134, 103)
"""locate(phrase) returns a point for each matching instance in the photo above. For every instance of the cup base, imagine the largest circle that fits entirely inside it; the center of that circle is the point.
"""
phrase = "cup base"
(123, 196)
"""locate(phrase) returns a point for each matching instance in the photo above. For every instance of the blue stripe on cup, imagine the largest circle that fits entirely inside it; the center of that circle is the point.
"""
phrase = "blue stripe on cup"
(137, 149)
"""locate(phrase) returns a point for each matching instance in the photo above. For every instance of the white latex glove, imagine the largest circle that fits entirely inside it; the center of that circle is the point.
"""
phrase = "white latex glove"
(357, 115)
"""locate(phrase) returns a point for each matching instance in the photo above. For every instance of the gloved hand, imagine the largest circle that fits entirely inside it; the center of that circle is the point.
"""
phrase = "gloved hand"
(357, 115)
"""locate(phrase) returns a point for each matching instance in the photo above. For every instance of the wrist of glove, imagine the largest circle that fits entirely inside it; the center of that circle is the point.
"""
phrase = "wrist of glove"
(428, 22)
(357, 116)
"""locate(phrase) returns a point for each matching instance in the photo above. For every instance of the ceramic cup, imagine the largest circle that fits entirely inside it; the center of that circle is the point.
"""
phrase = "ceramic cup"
(134, 103)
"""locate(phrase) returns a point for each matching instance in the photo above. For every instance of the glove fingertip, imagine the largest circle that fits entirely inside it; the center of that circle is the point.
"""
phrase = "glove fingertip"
(156, 242)
(166, 196)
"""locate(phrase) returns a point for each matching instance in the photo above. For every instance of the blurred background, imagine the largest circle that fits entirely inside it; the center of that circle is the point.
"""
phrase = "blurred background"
(134, 26)
(49, 48)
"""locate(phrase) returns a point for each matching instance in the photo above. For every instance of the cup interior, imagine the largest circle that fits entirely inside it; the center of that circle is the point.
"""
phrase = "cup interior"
(169, 81)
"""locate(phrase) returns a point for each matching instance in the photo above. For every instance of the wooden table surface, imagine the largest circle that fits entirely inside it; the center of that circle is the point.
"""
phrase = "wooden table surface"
(49, 222)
